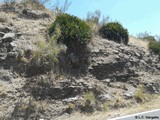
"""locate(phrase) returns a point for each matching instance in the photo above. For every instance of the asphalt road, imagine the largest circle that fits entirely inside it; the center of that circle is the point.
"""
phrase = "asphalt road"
(149, 115)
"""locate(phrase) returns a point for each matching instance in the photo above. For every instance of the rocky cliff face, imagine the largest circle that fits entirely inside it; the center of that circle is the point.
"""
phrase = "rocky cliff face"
(126, 64)
(120, 62)
(115, 70)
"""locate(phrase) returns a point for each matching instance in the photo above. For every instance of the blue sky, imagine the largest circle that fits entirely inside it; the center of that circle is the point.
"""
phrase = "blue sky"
(136, 15)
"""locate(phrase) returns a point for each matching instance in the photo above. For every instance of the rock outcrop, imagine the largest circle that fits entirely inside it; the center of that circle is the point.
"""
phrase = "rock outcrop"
(7, 37)
(120, 62)
(21, 11)
(114, 73)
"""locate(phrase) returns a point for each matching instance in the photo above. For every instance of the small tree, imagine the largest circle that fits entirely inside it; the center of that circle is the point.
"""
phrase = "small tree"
(114, 31)
(75, 34)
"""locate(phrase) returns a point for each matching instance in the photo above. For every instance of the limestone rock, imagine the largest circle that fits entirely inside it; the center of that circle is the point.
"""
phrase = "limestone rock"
(8, 37)
(35, 14)
(105, 97)
(128, 95)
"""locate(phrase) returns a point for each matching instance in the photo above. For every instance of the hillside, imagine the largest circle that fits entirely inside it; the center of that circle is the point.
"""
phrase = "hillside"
(117, 77)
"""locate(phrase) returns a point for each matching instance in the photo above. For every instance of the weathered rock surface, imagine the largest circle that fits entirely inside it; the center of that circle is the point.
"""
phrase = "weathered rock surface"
(105, 97)
(115, 70)
(115, 61)
(4, 29)
(5, 43)
(2, 34)
(8, 37)
(34, 14)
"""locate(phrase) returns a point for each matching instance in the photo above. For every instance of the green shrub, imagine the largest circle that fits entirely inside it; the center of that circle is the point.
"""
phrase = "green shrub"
(154, 46)
(75, 33)
(114, 31)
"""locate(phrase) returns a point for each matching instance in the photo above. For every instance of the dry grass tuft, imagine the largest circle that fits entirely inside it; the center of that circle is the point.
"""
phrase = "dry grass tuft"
(3, 17)
(90, 96)
(139, 42)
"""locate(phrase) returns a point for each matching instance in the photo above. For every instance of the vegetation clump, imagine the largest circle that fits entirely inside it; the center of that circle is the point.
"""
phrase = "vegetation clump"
(89, 96)
(94, 20)
(44, 57)
(154, 46)
(114, 31)
(140, 94)
(74, 32)
(90, 101)
(70, 108)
